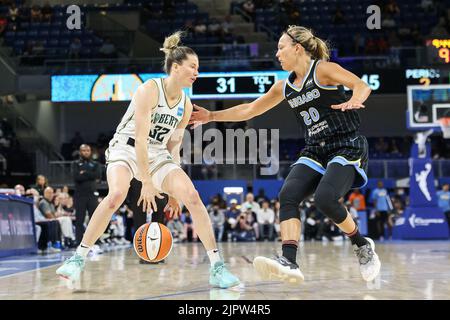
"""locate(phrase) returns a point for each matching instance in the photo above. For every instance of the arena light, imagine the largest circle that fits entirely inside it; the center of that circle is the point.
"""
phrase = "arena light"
(230, 190)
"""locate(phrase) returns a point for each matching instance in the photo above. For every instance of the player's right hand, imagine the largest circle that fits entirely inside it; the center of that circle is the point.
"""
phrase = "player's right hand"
(199, 116)
(148, 194)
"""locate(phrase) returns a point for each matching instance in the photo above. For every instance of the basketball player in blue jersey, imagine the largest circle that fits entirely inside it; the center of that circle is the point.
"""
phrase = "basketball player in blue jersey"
(146, 146)
(335, 157)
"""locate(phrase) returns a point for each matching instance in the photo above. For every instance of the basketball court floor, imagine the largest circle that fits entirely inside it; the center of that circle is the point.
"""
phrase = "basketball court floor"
(410, 270)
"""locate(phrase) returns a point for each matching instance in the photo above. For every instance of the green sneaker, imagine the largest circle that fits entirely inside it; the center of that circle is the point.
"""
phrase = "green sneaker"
(72, 268)
(221, 277)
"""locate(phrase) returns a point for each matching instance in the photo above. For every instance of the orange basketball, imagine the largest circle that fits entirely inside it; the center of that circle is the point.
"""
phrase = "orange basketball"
(152, 242)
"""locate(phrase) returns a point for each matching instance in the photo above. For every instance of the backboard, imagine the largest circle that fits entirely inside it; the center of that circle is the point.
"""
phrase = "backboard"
(427, 104)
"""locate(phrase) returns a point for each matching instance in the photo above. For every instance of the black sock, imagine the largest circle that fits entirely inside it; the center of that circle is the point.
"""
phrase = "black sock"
(289, 248)
(357, 238)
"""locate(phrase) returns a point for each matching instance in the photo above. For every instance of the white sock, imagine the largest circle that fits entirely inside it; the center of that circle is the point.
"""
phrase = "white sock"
(83, 250)
(214, 256)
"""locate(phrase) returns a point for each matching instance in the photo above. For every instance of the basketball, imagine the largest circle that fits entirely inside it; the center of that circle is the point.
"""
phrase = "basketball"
(152, 242)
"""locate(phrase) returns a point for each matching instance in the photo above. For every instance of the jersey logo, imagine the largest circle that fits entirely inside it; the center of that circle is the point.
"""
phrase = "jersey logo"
(304, 98)
(308, 83)
(180, 111)
(289, 94)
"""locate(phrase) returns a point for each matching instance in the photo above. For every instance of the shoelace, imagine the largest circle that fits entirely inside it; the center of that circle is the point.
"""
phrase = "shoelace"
(78, 260)
(364, 254)
(219, 269)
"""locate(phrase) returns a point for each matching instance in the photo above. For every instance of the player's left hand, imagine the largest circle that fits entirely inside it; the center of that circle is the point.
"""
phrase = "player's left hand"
(349, 105)
(173, 207)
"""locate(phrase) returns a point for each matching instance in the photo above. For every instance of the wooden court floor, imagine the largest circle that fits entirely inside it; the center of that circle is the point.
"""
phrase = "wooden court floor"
(410, 270)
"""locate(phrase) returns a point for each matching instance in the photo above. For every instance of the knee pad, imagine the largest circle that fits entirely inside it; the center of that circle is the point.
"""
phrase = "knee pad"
(288, 204)
(326, 200)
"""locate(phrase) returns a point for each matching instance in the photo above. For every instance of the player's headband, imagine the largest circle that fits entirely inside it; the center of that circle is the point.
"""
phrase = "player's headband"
(295, 40)
(292, 37)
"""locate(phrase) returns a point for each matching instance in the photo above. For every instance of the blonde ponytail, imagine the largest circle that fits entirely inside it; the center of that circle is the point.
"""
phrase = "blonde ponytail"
(174, 53)
(316, 47)
(171, 42)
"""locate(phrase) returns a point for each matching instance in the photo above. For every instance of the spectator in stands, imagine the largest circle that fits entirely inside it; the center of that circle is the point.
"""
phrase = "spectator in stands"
(357, 200)
(50, 233)
(338, 17)
(400, 195)
(227, 25)
(19, 190)
(276, 225)
(388, 21)
(65, 189)
(330, 230)
(381, 146)
(41, 184)
(13, 13)
(47, 12)
(176, 228)
(313, 222)
(3, 165)
(186, 219)
(382, 204)
(427, 5)
(35, 14)
(444, 201)
(440, 30)
(117, 226)
(214, 27)
(38, 50)
(86, 173)
(189, 27)
(48, 209)
(370, 46)
(3, 24)
(200, 27)
(294, 17)
(351, 209)
(231, 218)
(266, 219)
(392, 7)
(75, 49)
(382, 44)
(394, 215)
(108, 50)
(249, 8)
(251, 219)
(244, 231)
(250, 200)
(218, 221)
(65, 218)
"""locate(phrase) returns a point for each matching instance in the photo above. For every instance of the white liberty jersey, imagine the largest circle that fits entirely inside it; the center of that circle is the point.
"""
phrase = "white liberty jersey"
(164, 119)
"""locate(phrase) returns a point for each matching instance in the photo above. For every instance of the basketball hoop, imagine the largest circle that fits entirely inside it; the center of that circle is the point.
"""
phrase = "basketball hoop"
(444, 122)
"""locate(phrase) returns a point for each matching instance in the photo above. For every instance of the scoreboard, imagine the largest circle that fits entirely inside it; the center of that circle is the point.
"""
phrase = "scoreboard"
(226, 85)
(234, 85)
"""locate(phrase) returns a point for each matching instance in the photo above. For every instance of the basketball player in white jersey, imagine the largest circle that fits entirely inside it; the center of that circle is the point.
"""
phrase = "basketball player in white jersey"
(146, 146)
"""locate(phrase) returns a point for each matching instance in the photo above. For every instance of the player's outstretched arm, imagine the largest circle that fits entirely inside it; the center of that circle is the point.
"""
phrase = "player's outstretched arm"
(240, 112)
(332, 74)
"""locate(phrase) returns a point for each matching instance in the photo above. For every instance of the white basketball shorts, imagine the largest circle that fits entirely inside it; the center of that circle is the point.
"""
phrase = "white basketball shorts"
(120, 153)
